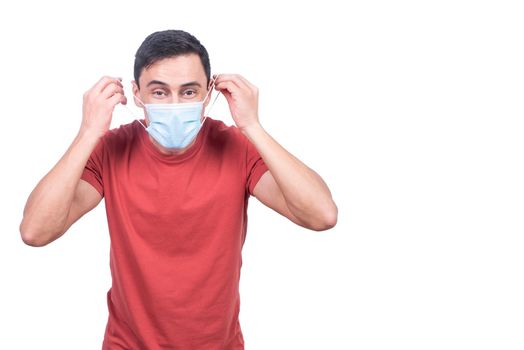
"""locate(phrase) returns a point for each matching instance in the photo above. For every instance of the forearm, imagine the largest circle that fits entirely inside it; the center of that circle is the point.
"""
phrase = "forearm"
(306, 194)
(48, 205)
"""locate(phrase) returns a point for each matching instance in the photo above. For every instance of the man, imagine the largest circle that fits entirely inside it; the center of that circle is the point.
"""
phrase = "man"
(176, 187)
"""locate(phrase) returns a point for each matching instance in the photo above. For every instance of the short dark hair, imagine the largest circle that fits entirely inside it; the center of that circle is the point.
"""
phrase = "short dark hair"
(169, 43)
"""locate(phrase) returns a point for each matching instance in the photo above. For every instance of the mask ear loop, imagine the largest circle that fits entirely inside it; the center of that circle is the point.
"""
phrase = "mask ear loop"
(133, 113)
(212, 103)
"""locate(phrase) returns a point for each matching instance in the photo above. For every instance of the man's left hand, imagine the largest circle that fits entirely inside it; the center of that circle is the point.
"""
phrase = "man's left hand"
(242, 97)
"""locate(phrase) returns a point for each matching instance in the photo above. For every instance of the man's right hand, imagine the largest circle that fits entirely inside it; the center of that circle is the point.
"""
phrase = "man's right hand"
(99, 103)
(61, 197)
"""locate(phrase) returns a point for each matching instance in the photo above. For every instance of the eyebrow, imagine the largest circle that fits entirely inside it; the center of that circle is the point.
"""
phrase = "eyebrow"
(191, 83)
(158, 82)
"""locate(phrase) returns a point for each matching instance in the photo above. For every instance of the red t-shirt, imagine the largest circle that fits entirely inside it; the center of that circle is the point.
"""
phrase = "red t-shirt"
(177, 226)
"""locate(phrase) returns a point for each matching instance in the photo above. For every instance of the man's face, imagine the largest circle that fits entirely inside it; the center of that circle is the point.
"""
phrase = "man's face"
(177, 79)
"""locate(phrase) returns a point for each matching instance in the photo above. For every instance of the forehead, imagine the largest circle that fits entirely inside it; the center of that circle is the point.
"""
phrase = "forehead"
(175, 71)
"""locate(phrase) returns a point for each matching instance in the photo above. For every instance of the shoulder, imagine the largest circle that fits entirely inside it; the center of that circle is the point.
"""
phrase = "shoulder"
(121, 136)
(219, 133)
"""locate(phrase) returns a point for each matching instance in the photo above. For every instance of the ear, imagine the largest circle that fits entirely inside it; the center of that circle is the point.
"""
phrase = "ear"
(136, 94)
(209, 93)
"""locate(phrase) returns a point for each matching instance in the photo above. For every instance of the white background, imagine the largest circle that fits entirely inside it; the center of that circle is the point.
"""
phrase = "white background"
(412, 111)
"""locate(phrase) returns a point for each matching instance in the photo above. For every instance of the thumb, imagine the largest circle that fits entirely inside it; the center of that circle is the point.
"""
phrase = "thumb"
(228, 97)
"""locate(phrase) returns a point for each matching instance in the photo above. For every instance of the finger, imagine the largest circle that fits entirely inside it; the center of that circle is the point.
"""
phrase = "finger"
(236, 79)
(221, 77)
(228, 97)
(116, 99)
(112, 89)
(107, 79)
(104, 81)
(98, 83)
(229, 86)
(251, 86)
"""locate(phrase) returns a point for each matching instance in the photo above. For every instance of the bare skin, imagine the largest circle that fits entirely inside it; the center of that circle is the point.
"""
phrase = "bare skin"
(289, 187)
(61, 197)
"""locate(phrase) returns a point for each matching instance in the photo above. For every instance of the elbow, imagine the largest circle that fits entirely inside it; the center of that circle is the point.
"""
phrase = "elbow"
(32, 237)
(327, 220)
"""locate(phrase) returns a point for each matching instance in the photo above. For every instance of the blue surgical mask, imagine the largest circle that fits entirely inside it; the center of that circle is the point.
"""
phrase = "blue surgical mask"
(175, 125)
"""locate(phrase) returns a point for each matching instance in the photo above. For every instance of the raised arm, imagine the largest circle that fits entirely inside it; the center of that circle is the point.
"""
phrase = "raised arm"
(289, 187)
(61, 197)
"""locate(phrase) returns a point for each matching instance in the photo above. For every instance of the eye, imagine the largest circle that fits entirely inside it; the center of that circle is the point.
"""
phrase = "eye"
(159, 93)
(189, 93)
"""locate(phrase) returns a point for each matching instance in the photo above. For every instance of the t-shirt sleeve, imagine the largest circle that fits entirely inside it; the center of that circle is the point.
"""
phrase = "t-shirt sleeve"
(255, 167)
(93, 168)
